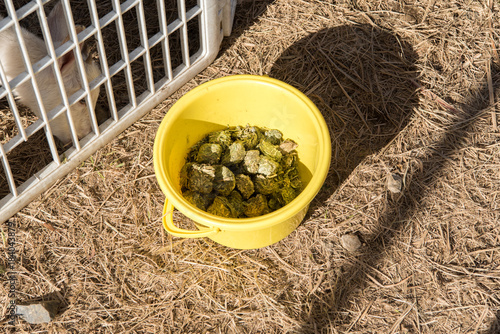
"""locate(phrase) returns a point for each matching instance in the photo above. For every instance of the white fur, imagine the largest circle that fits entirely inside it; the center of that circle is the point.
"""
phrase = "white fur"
(13, 65)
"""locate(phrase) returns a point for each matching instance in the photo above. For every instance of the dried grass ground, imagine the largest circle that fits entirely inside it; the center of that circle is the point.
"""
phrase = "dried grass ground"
(405, 88)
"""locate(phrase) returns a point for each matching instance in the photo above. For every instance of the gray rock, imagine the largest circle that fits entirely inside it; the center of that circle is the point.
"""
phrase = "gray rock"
(350, 242)
(394, 183)
(37, 313)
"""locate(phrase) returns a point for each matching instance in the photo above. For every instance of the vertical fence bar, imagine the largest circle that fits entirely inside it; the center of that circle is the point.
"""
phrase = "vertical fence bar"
(145, 44)
(27, 63)
(184, 33)
(8, 172)
(12, 103)
(80, 63)
(167, 62)
(203, 29)
(49, 43)
(124, 52)
(94, 17)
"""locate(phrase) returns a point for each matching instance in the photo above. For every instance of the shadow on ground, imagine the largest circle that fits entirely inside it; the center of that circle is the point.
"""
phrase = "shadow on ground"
(495, 326)
(364, 81)
(247, 12)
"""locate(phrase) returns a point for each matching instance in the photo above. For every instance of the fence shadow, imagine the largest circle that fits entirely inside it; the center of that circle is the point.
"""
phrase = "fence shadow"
(363, 80)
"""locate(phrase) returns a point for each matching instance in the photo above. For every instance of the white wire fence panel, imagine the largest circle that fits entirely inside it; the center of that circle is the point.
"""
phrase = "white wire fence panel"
(73, 75)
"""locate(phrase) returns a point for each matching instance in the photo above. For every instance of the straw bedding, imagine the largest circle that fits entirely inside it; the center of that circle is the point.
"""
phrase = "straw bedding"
(406, 87)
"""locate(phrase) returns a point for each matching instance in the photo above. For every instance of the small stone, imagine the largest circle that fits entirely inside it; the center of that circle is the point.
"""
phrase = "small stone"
(394, 183)
(37, 313)
(350, 242)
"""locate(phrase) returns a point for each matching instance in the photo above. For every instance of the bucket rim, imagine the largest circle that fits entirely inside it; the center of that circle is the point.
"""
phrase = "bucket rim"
(287, 212)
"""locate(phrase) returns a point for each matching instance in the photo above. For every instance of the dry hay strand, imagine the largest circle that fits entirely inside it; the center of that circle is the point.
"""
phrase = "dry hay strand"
(404, 90)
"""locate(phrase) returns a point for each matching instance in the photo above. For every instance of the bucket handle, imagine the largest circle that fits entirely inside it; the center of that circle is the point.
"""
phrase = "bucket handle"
(168, 224)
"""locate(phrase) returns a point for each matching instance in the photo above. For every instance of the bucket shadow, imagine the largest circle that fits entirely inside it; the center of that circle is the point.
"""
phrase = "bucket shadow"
(366, 93)
(362, 79)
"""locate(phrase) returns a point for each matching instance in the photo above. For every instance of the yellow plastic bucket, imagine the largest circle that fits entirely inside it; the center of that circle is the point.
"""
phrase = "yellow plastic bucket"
(240, 100)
